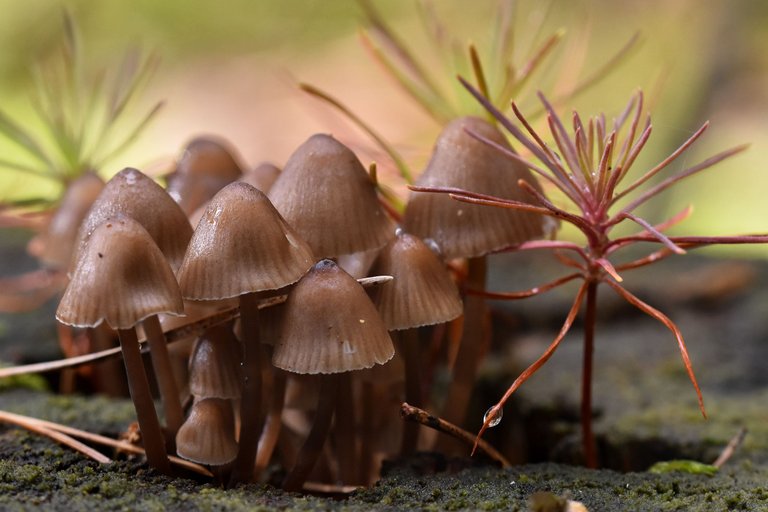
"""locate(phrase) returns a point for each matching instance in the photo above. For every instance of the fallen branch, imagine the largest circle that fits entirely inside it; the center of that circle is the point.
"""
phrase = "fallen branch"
(412, 413)
(731, 448)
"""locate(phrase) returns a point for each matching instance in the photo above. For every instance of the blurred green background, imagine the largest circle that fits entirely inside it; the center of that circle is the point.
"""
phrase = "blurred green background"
(230, 68)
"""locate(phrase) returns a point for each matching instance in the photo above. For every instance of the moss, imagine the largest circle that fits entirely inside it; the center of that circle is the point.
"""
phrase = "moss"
(30, 381)
(684, 466)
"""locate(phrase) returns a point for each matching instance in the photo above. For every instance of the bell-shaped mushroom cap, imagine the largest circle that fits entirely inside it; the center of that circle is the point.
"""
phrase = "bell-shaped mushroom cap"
(57, 243)
(467, 230)
(330, 325)
(130, 192)
(422, 291)
(326, 195)
(263, 176)
(241, 245)
(208, 435)
(214, 366)
(206, 166)
(121, 277)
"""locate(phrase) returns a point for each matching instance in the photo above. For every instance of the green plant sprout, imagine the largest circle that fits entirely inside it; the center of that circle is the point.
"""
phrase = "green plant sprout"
(596, 158)
(82, 116)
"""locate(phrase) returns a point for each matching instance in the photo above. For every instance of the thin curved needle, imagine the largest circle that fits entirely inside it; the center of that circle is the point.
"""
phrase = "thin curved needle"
(669, 324)
(494, 411)
(524, 294)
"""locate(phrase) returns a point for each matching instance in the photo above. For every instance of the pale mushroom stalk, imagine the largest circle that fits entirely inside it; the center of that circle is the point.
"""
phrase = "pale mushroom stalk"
(367, 422)
(407, 343)
(250, 402)
(312, 447)
(470, 349)
(344, 428)
(108, 373)
(271, 431)
(138, 384)
(161, 364)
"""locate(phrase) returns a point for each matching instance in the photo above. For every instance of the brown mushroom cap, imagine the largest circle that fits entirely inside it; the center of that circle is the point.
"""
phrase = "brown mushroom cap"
(130, 192)
(327, 196)
(57, 243)
(241, 245)
(121, 277)
(206, 165)
(461, 161)
(214, 366)
(422, 291)
(263, 176)
(330, 325)
(208, 435)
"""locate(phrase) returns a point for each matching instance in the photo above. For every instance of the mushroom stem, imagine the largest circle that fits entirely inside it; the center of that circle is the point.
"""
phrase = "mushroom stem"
(161, 364)
(312, 447)
(470, 351)
(273, 423)
(250, 401)
(407, 343)
(367, 423)
(138, 386)
(344, 427)
(109, 373)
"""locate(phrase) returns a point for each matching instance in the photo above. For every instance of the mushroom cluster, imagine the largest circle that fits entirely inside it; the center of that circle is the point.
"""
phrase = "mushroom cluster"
(293, 382)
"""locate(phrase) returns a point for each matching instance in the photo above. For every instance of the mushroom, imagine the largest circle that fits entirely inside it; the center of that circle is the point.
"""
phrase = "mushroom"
(213, 365)
(243, 248)
(330, 326)
(470, 231)
(207, 164)
(122, 278)
(263, 176)
(421, 293)
(326, 195)
(132, 193)
(208, 435)
(54, 247)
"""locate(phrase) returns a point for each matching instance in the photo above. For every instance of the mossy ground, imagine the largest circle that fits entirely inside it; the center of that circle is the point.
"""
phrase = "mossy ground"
(645, 411)
(36, 472)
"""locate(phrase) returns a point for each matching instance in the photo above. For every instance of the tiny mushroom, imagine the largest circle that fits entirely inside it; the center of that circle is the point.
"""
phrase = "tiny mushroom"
(208, 435)
(421, 293)
(330, 326)
(130, 192)
(464, 230)
(327, 196)
(121, 278)
(243, 248)
(207, 164)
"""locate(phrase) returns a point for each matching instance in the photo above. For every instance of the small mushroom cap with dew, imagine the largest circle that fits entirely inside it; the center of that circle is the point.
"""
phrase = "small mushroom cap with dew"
(422, 291)
(241, 245)
(130, 192)
(327, 196)
(121, 277)
(330, 325)
(208, 435)
(206, 165)
(56, 245)
(460, 161)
